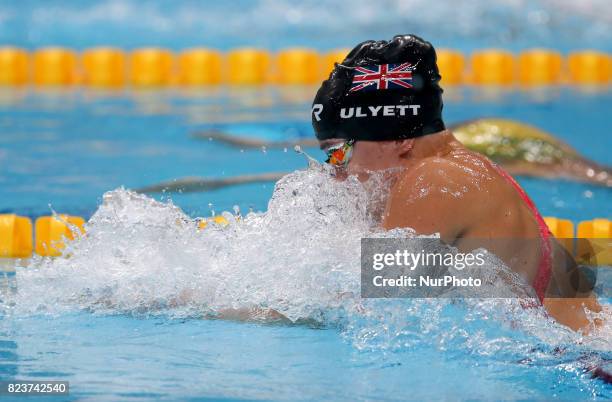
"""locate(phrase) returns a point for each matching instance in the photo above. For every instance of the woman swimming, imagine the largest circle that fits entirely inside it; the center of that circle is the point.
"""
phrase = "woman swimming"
(380, 110)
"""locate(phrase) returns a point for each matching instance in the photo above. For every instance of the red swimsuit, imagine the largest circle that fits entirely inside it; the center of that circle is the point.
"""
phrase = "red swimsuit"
(545, 266)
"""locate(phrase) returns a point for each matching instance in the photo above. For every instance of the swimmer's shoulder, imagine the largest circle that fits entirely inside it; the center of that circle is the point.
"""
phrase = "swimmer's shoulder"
(434, 195)
(449, 193)
(457, 171)
(496, 197)
(480, 171)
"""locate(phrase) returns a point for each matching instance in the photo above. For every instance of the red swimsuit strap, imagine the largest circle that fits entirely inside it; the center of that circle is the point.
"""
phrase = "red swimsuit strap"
(545, 266)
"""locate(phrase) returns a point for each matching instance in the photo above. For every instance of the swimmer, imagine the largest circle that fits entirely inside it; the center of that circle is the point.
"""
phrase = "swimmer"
(381, 111)
(525, 150)
(520, 148)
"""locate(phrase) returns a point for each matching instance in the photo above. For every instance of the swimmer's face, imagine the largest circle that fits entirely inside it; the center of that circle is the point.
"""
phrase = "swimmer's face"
(369, 156)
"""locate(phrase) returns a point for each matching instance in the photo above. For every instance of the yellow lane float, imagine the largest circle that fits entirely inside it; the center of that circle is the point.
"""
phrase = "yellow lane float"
(539, 67)
(103, 67)
(50, 231)
(563, 230)
(154, 67)
(451, 65)
(594, 246)
(55, 66)
(593, 238)
(198, 67)
(589, 67)
(13, 66)
(151, 67)
(298, 66)
(15, 236)
(248, 66)
(493, 67)
(219, 220)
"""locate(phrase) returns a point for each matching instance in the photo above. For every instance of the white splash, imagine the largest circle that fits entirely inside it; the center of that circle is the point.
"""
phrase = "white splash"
(300, 258)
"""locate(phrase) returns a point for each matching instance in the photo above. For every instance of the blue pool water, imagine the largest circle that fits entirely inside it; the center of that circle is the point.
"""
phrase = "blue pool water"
(129, 358)
(106, 319)
(273, 24)
(125, 317)
(66, 149)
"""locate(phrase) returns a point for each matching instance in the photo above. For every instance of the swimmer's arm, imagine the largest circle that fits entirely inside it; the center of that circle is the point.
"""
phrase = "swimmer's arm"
(256, 314)
(569, 297)
(431, 198)
(573, 313)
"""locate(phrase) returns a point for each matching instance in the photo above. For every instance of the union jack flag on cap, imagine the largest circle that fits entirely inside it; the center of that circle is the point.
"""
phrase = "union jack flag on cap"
(383, 76)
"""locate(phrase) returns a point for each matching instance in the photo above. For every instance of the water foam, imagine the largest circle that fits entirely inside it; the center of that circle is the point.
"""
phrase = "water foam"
(300, 258)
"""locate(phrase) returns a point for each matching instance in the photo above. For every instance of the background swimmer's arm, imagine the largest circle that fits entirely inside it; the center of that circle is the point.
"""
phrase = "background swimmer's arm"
(432, 197)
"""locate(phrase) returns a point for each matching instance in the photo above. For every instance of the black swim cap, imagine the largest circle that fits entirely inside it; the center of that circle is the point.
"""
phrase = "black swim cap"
(381, 91)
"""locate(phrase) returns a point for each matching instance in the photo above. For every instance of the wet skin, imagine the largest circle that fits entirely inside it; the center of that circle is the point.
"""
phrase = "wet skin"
(439, 186)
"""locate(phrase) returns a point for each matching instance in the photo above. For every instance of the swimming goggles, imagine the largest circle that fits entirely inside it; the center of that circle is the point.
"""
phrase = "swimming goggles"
(340, 154)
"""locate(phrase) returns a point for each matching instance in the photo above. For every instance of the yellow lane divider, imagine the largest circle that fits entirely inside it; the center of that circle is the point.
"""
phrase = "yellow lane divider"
(563, 230)
(298, 66)
(15, 236)
(151, 67)
(157, 67)
(591, 243)
(493, 67)
(199, 67)
(219, 220)
(55, 66)
(13, 66)
(451, 64)
(597, 250)
(248, 66)
(51, 231)
(590, 67)
(103, 67)
(540, 66)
